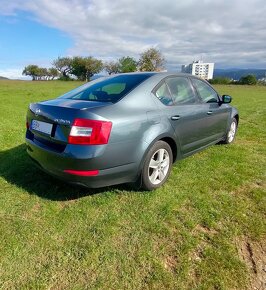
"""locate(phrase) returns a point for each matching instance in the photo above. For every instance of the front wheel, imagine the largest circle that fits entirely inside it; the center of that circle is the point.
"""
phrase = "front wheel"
(157, 166)
(230, 136)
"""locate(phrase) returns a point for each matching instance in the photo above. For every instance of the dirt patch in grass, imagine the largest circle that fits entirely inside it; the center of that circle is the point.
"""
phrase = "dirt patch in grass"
(245, 188)
(205, 230)
(207, 234)
(170, 263)
(253, 254)
(196, 255)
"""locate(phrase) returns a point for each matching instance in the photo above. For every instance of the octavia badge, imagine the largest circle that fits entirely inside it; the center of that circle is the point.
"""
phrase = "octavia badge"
(37, 112)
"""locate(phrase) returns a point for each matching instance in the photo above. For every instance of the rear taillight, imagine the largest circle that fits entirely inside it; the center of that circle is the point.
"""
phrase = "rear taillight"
(27, 125)
(90, 132)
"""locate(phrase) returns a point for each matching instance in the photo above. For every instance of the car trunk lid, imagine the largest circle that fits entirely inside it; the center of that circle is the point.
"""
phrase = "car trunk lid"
(49, 122)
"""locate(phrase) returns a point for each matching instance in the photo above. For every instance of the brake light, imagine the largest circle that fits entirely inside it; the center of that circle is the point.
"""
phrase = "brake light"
(82, 172)
(90, 132)
(27, 125)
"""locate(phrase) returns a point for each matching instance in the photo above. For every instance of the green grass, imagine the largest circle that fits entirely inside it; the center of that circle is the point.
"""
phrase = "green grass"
(182, 236)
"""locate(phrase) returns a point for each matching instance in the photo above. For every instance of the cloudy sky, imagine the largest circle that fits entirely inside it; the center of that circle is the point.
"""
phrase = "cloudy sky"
(229, 33)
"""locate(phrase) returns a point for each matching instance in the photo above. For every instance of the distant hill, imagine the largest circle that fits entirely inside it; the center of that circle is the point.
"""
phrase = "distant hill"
(236, 74)
(3, 78)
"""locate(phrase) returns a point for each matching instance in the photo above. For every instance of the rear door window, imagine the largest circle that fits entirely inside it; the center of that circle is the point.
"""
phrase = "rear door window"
(181, 90)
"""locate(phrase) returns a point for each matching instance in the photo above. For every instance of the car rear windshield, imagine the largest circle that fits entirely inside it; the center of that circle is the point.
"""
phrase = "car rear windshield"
(109, 89)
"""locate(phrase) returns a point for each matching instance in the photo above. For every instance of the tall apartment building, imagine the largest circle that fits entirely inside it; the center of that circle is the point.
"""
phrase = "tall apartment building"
(199, 68)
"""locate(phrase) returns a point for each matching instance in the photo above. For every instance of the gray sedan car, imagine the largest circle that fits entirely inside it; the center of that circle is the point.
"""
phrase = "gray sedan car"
(127, 128)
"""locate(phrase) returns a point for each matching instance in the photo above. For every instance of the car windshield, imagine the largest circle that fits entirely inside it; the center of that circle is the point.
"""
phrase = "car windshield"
(110, 89)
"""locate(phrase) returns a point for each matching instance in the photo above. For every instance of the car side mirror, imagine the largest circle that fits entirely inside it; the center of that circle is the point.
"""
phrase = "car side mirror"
(226, 99)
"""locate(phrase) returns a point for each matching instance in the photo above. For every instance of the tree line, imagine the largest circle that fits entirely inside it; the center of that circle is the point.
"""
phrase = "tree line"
(40, 73)
(83, 68)
(244, 80)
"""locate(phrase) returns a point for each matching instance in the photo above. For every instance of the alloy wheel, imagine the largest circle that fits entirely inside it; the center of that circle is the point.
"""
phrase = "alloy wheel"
(158, 166)
(232, 132)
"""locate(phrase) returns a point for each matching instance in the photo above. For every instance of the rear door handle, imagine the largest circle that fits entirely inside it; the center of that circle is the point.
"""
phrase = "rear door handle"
(209, 112)
(175, 118)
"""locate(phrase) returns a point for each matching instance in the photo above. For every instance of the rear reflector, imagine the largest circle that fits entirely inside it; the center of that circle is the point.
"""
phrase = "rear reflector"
(90, 132)
(82, 172)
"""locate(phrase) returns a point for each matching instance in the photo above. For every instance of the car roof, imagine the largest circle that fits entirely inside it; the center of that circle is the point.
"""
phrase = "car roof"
(158, 74)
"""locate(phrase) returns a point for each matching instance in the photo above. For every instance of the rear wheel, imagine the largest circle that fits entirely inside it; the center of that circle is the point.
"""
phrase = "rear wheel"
(157, 166)
(230, 136)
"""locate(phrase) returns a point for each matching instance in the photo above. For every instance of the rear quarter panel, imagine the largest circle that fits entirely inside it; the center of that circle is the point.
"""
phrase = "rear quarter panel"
(137, 124)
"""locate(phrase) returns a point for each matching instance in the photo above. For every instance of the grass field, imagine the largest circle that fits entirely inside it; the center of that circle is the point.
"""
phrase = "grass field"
(205, 229)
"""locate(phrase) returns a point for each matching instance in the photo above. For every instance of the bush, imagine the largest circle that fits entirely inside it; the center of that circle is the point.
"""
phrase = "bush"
(65, 78)
(248, 80)
(220, 81)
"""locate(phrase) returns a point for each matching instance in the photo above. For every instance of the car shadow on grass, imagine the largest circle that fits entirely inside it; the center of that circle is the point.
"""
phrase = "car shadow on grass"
(17, 168)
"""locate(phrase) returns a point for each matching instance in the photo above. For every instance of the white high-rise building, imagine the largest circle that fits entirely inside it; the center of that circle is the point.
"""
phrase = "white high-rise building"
(199, 68)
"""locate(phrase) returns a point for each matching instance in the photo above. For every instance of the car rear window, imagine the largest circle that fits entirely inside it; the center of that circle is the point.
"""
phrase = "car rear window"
(110, 89)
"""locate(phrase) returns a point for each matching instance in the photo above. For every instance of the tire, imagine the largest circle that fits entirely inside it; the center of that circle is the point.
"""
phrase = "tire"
(157, 166)
(231, 133)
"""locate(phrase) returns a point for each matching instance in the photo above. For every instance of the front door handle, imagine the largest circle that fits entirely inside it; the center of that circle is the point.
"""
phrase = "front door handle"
(175, 118)
(209, 112)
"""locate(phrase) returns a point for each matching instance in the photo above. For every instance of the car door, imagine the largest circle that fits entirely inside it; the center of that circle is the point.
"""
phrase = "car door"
(216, 114)
(184, 111)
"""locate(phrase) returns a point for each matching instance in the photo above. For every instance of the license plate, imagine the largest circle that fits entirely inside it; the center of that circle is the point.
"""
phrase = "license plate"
(41, 126)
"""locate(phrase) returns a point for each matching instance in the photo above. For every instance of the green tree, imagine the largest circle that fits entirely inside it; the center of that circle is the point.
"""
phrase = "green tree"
(85, 67)
(151, 60)
(53, 73)
(64, 66)
(79, 67)
(112, 67)
(93, 66)
(42, 73)
(127, 64)
(248, 80)
(31, 70)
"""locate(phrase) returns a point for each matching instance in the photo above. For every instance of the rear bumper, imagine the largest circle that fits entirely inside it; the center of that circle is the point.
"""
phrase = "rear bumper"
(94, 159)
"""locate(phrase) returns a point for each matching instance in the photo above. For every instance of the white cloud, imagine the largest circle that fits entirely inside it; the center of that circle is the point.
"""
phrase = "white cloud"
(13, 73)
(230, 33)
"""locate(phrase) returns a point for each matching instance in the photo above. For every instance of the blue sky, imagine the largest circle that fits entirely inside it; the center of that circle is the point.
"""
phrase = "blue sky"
(226, 32)
(24, 41)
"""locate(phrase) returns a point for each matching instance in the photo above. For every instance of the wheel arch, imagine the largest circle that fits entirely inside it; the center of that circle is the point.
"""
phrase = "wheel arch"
(236, 116)
(169, 140)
